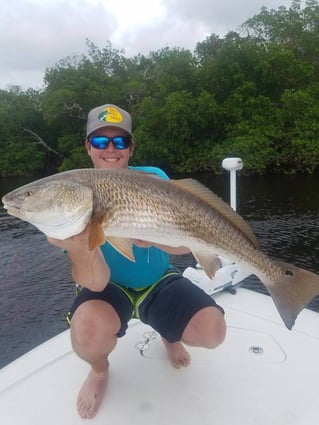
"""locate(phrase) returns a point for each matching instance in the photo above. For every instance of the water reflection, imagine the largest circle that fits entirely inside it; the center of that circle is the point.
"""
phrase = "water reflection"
(36, 289)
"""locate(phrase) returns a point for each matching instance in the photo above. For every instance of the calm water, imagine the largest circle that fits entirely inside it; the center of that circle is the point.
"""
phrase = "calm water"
(36, 289)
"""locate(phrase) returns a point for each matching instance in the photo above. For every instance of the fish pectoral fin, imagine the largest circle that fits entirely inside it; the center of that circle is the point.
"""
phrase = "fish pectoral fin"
(123, 246)
(96, 235)
(210, 263)
(293, 291)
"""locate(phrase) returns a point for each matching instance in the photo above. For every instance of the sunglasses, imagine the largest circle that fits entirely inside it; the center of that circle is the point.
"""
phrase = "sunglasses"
(102, 142)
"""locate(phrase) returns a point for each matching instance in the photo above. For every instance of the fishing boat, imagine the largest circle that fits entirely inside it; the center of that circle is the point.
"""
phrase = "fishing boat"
(262, 374)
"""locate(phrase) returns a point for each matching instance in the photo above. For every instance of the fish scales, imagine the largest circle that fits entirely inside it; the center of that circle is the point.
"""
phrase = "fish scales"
(177, 215)
(121, 205)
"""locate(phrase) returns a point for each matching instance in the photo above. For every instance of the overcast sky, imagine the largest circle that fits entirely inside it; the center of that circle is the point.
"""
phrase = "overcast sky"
(36, 34)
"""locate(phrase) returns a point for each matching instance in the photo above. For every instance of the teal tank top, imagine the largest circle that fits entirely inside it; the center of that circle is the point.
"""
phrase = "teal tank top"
(151, 263)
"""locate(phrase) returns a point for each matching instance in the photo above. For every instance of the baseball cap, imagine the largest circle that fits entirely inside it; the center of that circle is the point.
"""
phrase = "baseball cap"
(108, 116)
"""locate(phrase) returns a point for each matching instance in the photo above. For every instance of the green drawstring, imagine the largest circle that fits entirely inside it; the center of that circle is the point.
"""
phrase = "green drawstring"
(136, 296)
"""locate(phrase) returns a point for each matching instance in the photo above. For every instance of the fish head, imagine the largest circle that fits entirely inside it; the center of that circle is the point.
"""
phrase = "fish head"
(58, 208)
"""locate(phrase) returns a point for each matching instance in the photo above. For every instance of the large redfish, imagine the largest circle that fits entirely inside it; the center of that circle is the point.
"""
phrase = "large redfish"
(121, 205)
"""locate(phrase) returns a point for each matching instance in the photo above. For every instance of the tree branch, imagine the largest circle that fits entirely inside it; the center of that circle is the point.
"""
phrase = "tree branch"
(42, 142)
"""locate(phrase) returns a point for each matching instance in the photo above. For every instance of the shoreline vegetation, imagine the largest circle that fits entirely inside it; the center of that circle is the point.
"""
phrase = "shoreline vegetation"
(253, 93)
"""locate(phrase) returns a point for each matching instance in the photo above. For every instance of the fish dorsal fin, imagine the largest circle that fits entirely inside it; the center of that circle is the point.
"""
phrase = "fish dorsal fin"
(96, 235)
(123, 246)
(210, 198)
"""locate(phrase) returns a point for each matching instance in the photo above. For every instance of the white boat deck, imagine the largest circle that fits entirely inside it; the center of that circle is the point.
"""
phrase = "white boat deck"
(263, 374)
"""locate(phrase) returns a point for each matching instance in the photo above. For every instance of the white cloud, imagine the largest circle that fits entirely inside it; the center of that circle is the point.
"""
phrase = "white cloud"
(36, 34)
(224, 15)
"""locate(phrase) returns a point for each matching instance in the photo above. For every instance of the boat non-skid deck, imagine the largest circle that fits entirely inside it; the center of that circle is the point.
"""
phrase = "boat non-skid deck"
(262, 374)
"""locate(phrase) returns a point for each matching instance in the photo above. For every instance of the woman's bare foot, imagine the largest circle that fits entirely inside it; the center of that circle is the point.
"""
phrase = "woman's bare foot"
(91, 393)
(177, 354)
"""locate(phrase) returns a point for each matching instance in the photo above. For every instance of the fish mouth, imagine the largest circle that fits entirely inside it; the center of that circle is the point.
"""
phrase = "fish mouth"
(10, 208)
(16, 211)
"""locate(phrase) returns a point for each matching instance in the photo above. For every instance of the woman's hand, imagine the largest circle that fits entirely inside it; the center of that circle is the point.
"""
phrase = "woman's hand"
(89, 268)
(76, 242)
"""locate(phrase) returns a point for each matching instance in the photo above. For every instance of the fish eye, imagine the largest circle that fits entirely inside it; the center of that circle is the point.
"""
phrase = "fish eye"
(288, 273)
(28, 193)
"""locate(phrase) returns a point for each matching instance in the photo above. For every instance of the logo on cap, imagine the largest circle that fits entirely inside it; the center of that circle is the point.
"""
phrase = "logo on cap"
(110, 114)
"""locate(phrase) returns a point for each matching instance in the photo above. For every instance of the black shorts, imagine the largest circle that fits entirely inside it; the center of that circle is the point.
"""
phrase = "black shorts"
(167, 306)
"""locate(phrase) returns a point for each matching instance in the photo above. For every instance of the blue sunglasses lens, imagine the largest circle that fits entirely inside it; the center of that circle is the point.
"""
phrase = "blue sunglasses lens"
(102, 142)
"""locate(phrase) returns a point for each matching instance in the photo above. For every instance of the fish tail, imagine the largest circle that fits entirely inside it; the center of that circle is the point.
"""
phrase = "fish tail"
(292, 291)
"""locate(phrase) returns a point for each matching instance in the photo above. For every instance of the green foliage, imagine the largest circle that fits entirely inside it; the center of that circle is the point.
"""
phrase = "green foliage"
(179, 133)
(20, 158)
(253, 94)
(19, 155)
(77, 159)
(300, 117)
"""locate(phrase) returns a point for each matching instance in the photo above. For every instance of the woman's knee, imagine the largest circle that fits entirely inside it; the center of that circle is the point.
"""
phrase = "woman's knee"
(207, 328)
(93, 322)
